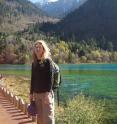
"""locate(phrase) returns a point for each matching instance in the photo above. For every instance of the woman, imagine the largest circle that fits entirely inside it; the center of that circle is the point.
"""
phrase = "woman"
(41, 84)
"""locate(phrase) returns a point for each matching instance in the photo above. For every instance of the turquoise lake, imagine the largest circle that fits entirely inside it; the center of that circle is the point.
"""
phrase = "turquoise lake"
(99, 80)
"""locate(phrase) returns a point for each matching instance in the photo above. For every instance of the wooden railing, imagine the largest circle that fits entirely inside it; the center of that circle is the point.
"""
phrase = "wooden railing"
(17, 102)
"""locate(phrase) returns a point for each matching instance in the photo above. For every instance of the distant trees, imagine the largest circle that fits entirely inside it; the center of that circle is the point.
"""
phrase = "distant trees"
(16, 49)
(64, 52)
(2, 41)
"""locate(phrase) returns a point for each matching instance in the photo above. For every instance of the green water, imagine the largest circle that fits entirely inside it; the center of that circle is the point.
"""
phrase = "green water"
(96, 80)
(99, 80)
(96, 83)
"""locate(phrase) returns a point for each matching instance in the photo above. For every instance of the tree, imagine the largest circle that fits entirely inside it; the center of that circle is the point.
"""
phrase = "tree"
(109, 46)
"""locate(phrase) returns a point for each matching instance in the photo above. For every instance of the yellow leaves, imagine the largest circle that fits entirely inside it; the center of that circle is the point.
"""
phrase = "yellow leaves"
(61, 52)
(96, 54)
(56, 51)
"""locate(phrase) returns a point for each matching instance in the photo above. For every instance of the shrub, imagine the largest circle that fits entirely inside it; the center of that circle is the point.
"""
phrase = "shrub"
(81, 110)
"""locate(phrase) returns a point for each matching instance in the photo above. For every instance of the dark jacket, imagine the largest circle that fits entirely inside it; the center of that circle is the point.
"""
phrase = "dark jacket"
(41, 77)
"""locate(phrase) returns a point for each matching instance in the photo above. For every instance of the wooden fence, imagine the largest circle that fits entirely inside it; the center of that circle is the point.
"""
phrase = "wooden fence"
(17, 102)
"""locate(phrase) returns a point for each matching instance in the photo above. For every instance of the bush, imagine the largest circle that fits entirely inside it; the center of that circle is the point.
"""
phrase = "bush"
(80, 110)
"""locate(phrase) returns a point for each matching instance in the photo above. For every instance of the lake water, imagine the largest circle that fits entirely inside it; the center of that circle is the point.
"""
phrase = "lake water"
(99, 80)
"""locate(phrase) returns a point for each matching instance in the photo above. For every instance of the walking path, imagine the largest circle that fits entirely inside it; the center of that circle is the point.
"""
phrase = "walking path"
(9, 114)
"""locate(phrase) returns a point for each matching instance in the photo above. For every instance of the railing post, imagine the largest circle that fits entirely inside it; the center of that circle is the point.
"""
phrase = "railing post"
(11, 97)
(26, 106)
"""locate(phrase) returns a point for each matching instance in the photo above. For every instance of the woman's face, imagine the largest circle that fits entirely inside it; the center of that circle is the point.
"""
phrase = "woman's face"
(39, 50)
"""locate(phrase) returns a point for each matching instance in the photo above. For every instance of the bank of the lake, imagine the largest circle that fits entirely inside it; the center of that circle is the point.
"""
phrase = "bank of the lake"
(96, 80)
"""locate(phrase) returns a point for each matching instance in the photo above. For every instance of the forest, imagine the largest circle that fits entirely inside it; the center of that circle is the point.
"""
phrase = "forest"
(16, 48)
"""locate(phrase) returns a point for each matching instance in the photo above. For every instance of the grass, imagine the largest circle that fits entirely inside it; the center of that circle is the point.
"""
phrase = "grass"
(81, 110)
(18, 85)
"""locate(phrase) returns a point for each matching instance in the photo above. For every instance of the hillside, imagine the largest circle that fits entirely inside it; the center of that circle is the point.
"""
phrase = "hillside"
(95, 18)
(18, 14)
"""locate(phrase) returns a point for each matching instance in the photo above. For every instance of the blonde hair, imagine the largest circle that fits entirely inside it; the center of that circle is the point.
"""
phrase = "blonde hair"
(46, 53)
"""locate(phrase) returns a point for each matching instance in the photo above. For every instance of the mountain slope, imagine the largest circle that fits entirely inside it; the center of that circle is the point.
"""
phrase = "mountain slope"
(95, 18)
(60, 8)
(18, 14)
